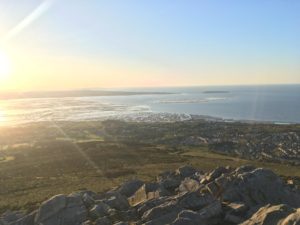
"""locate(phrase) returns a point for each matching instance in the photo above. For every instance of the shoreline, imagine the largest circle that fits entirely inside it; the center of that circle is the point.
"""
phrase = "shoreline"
(151, 117)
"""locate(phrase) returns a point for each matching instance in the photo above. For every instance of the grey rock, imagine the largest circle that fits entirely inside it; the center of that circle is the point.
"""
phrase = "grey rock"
(117, 201)
(26, 220)
(243, 196)
(236, 208)
(233, 218)
(88, 200)
(213, 210)
(167, 218)
(270, 215)
(62, 210)
(121, 223)
(292, 219)
(259, 187)
(11, 216)
(186, 171)
(130, 187)
(185, 221)
(145, 206)
(103, 221)
(190, 215)
(195, 200)
(88, 222)
(160, 211)
(99, 210)
(217, 173)
(51, 207)
(147, 192)
(189, 185)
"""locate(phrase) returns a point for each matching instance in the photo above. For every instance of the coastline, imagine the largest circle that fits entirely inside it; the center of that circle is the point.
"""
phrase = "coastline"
(152, 117)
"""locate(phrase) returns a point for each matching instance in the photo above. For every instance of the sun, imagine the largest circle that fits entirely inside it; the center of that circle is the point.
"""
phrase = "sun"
(5, 65)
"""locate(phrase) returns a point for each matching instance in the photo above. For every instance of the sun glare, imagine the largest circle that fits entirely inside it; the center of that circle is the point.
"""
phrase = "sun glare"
(2, 117)
(5, 66)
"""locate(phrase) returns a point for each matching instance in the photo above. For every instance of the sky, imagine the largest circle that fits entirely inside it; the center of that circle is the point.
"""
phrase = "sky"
(72, 44)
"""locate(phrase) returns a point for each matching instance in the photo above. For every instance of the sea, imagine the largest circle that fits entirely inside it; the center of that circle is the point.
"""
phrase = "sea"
(271, 104)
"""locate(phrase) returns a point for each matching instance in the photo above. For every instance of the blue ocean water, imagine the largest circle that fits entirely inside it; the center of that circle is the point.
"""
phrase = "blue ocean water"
(276, 103)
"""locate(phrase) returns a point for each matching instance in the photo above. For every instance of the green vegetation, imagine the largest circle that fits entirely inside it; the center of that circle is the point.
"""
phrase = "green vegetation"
(40, 160)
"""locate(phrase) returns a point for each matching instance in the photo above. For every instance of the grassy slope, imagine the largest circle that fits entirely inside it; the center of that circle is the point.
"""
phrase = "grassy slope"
(51, 167)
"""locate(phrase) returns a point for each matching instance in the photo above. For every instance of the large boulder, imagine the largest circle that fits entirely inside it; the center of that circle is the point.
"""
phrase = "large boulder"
(116, 201)
(145, 206)
(99, 210)
(259, 187)
(164, 212)
(209, 215)
(130, 187)
(216, 173)
(103, 221)
(186, 171)
(195, 200)
(147, 192)
(270, 215)
(62, 210)
(10, 217)
(292, 219)
(189, 185)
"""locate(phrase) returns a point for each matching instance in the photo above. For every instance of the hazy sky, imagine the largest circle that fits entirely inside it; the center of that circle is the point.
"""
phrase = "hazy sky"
(67, 44)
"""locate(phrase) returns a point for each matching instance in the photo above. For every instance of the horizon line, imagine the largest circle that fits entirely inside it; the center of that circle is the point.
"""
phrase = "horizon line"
(149, 87)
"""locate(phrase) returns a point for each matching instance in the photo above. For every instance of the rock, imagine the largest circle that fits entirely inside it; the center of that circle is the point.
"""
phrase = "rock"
(11, 216)
(169, 180)
(217, 173)
(88, 222)
(196, 218)
(145, 206)
(99, 210)
(186, 171)
(236, 208)
(161, 210)
(222, 181)
(259, 187)
(147, 192)
(185, 221)
(189, 185)
(121, 223)
(130, 187)
(88, 200)
(244, 169)
(164, 219)
(103, 221)
(235, 212)
(62, 210)
(117, 201)
(195, 200)
(292, 219)
(233, 219)
(213, 210)
(270, 215)
(51, 207)
(130, 215)
(190, 215)
(224, 197)
(214, 189)
(25, 220)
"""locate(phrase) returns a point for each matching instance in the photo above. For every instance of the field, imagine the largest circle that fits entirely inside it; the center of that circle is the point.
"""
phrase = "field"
(41, 160)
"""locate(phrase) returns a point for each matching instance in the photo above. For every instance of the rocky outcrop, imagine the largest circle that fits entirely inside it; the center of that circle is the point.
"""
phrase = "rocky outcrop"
(245, 195)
